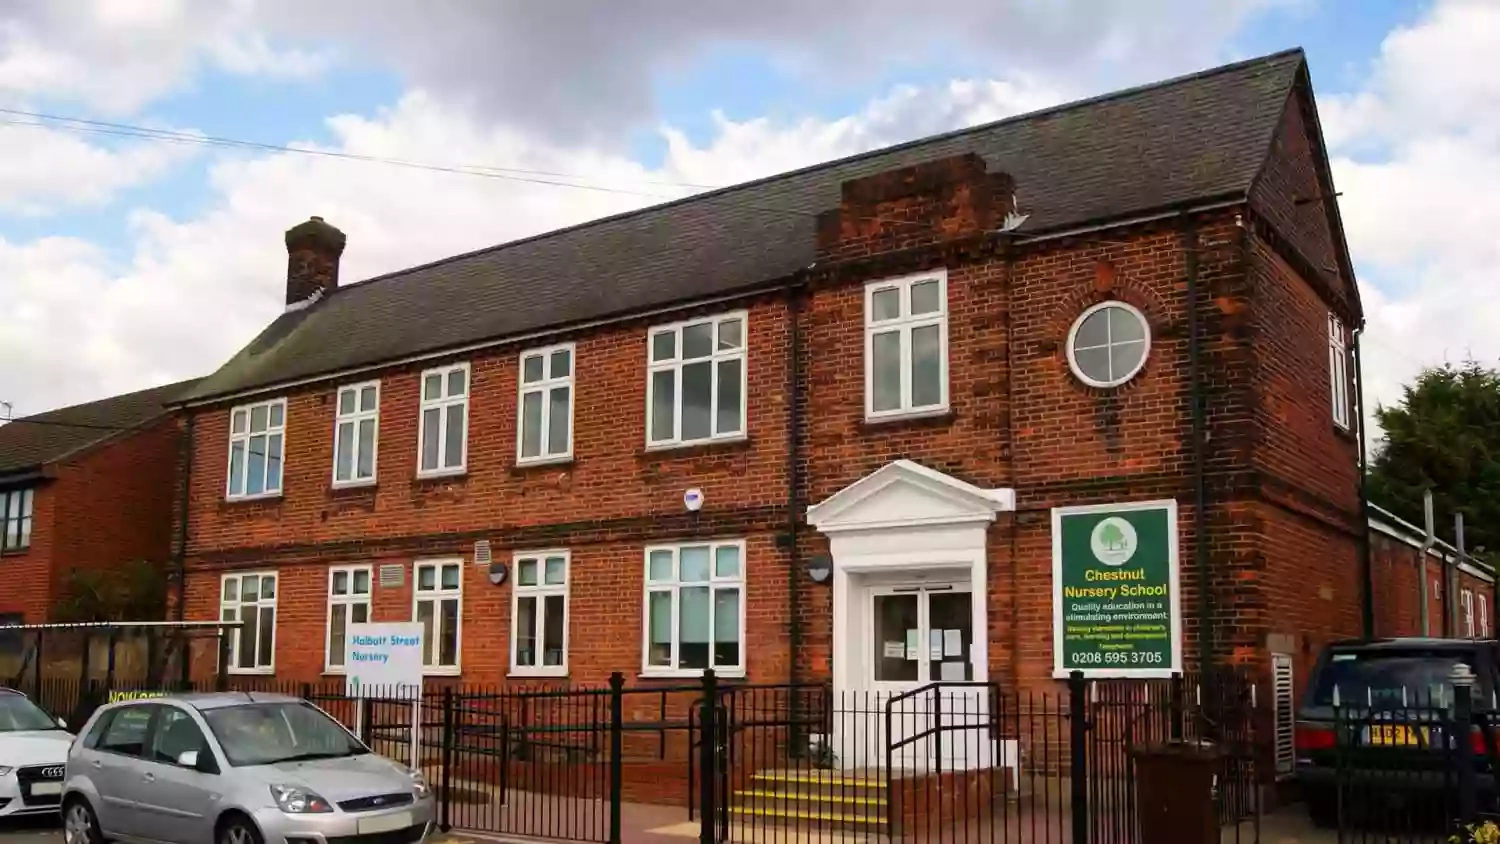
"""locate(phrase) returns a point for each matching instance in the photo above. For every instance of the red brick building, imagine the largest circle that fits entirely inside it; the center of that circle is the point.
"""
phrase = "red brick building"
(889, 369)
(88, 486)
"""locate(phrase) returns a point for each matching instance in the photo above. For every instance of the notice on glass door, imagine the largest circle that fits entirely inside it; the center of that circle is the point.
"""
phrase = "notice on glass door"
(894, 650)
(953, 643)
(913, 644)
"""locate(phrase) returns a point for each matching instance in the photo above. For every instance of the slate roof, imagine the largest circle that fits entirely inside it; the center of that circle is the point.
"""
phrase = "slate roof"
(33, 441)
(1189, 139)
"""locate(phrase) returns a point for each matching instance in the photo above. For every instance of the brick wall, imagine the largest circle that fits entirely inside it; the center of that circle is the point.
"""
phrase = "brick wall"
(107, 505)
(28, 573)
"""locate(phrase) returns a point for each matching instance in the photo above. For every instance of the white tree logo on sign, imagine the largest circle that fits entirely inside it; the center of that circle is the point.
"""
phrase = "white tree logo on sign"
(1113, 541)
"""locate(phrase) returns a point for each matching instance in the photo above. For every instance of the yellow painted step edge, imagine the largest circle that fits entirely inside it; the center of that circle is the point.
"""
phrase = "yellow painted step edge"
(804, 815)
(791, 796)
(829, 779)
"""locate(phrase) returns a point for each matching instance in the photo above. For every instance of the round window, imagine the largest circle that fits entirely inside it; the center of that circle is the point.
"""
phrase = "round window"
(1107, 346)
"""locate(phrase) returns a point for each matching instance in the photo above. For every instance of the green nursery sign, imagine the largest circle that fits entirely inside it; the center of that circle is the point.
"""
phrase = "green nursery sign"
(1115, 597)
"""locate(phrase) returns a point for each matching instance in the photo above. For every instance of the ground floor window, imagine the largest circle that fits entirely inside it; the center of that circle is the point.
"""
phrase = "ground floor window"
(694, 610)
(348, 603)
(438, 606)
(250, 598)
(539, 614)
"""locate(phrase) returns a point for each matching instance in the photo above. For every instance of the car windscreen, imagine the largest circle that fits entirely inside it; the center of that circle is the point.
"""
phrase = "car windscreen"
(18, 714)
(266, 733)
(1393, 678)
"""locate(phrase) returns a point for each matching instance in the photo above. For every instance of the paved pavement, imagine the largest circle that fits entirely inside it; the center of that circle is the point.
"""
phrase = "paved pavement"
(1287, 827)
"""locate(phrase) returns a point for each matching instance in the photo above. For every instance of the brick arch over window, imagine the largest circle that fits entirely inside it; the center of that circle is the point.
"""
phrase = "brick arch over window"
(1108, 284)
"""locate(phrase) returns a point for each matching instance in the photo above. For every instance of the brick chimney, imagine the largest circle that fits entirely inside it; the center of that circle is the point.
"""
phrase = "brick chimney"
(923, 204)
(312, 259)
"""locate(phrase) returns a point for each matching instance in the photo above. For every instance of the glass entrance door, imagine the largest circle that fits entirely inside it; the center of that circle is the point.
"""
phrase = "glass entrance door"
(921, 635)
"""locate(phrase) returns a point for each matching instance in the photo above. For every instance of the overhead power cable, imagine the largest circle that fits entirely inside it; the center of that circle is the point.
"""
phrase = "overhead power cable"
(84, 126)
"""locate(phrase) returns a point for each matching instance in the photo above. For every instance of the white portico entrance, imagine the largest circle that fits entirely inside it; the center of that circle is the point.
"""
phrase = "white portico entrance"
(910, 609)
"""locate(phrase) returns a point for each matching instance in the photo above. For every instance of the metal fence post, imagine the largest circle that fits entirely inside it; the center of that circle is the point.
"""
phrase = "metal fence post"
(708, 723)
(1463, 747)
(616, 751)
(449, 740)
(1077, 742)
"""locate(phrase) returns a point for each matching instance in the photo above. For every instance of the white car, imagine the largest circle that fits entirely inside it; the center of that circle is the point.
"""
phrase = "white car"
(33, 757)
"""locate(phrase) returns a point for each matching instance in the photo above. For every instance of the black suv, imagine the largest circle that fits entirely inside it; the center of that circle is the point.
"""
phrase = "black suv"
(1394, 704)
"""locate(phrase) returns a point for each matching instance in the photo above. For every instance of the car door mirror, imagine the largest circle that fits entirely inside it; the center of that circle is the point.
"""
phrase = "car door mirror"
(62, 723)
(188, 759)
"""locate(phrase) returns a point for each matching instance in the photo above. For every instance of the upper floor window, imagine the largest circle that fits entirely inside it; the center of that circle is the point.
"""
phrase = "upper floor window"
(1338, 371)
(539, 634)
(906, 345)
(256, 442)
(546, 406)
(250, 598)
(348, 603)
(694, 607)
(445, 420)
(438, 607)
(695, 390)
(1108, 344)
(355, 433)
(15, 519)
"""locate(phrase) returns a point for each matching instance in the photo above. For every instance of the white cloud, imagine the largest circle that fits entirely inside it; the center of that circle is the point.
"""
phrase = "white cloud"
(116, 56)
(1417, 157)
(43, 169)
(191, 292)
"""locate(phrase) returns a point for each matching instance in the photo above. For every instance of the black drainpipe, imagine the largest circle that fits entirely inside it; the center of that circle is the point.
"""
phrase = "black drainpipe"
(1200, 488)
(794, 477)
(1366, 570)
(184, 487)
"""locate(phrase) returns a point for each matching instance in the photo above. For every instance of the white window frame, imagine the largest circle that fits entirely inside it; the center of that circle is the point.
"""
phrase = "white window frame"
(676, 363)
(239, 605)
(350, 600)
(22, 521)
(243, 438)
(1338, 371)
(353, 419)
(1484, 617)
(904, 325)
(437, 595)
(1109, 345)
(1466, 601)
(674, 587)
(545, 387)
(441, 405)
(541, 591)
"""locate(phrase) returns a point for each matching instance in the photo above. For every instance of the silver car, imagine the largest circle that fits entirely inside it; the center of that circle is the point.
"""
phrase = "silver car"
(235, 768)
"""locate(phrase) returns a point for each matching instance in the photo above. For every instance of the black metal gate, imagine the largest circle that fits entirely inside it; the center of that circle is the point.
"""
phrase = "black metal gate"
(1420, 768)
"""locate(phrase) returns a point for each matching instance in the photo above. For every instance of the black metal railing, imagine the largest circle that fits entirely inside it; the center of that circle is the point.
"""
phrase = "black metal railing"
(950, 761)
(1411, 765)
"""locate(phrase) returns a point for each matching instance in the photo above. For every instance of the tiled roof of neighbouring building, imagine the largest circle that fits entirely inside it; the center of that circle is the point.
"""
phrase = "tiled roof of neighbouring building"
(1189, 139)
(33, 441)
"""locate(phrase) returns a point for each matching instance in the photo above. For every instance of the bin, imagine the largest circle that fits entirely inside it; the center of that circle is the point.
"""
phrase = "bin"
(1176, 791)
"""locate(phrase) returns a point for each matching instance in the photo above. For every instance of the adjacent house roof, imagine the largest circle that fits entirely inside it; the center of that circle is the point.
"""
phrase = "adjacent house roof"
(1192, 139)
(34, 441)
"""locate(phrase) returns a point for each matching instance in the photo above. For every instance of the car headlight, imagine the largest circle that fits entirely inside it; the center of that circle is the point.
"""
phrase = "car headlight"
(419, 785)
(296, 800)
(5, 771)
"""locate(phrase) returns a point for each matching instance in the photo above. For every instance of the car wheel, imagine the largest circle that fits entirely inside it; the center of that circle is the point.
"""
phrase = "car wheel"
(80, 825)
(238, 829)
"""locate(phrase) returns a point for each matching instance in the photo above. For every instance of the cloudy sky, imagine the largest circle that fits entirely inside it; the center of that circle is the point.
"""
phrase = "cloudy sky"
(127, 262)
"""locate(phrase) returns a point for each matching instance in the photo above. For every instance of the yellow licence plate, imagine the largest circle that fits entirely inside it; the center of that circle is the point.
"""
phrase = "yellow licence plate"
(1393, 734)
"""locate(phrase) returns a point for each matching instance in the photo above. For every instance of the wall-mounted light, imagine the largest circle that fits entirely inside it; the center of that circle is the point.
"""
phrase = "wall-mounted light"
(498, 572)
(820, 568)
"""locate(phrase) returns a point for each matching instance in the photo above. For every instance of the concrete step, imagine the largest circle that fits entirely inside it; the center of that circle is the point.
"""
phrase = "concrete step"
(826, 818)
(791, 799)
